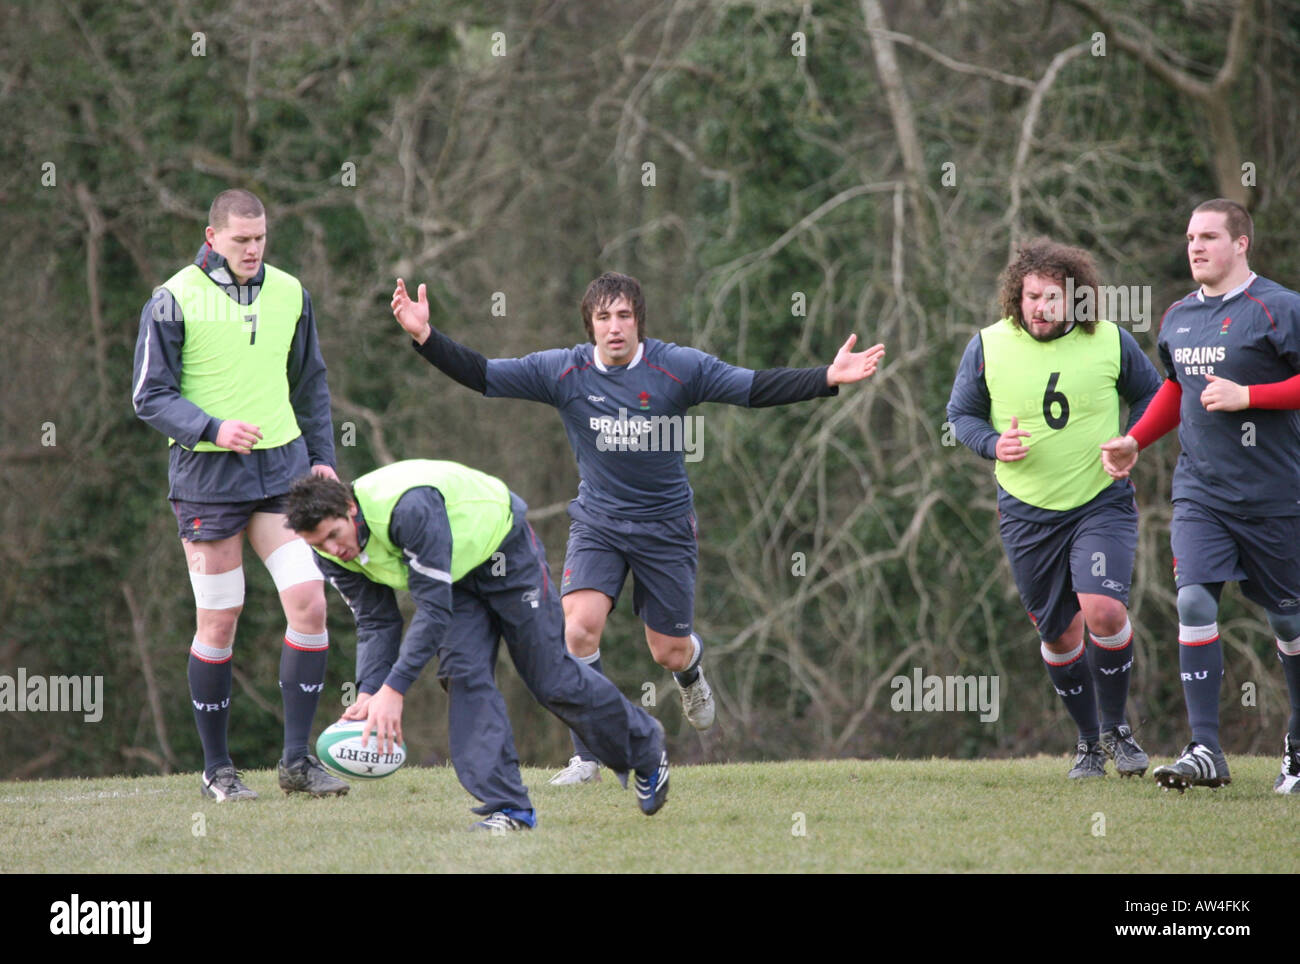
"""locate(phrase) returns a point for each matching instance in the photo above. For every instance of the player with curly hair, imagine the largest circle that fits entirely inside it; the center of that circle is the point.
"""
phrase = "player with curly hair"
(1039, 391)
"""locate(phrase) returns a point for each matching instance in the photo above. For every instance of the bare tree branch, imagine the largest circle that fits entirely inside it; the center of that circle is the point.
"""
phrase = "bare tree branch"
(1027, 125)
(1212, 97)
(957, 65)
(900, 106)
(140, 633)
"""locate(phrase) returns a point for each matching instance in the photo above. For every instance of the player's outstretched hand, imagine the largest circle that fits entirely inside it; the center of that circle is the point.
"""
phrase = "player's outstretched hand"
(413, 316)
(1119, 455)
(1222, 395)
(1009, 447)
(384, 717)
(850, 366)
(238, 436)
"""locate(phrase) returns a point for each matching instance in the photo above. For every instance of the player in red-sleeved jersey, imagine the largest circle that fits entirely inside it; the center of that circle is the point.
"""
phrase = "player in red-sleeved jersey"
(1231, 353)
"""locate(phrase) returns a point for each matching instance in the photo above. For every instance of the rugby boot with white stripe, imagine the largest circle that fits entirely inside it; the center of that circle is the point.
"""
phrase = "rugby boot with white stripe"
(506, 821)
(652, 785)
(226, 785)
(1198, 766)
(1288, 781)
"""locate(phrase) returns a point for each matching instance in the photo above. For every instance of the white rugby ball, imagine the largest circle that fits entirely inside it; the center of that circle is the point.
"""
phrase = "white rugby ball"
(341, 750)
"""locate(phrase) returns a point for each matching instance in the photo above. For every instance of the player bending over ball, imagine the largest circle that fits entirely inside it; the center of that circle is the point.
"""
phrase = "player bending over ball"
(1039, 391)
(1231, 354)
(457, 540)
(634, 505)
(228, 365)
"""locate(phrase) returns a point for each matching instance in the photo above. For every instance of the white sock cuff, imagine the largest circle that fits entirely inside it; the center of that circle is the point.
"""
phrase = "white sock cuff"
(1194, 635)
(308, 641)
(1289, 647)
(1061, 659)
(209, 654)
(697, 652)
(1118, 641)
(589, 659)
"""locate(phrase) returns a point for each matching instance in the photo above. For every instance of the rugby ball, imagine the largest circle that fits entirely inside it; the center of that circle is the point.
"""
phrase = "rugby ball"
(341, 750)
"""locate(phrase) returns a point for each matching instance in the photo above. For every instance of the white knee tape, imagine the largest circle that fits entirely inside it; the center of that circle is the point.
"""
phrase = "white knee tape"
(225, 590)
(292, 563)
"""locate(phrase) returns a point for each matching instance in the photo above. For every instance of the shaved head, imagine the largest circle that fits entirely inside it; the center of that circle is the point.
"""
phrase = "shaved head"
(241, 204)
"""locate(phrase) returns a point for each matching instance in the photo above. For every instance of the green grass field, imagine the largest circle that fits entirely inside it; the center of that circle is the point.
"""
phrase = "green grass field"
(882, 815)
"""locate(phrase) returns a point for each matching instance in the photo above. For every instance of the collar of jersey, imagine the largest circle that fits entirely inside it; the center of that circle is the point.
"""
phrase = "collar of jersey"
(1200, 292)
(363, 536)
(640, 350)
(218, 271)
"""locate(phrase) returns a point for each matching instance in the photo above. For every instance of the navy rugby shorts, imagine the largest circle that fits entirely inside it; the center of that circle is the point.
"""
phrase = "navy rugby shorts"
(1091, 550)
(1261, 553)
(662, 554)
(210, 521)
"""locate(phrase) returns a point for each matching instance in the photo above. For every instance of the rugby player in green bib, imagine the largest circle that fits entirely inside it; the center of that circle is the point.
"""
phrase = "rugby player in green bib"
(458, 542)
(1039, 391)
(228, 366)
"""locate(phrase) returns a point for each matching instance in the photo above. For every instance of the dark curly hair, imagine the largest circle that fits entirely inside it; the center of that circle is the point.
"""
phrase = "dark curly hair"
(607, 289)
(1043, 256)
(313, 498)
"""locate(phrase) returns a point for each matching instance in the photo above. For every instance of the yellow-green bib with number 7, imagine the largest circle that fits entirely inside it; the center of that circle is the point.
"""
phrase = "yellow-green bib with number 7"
(234, 361)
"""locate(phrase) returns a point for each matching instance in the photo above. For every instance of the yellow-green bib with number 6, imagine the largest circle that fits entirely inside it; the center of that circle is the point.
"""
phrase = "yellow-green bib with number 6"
(1063, 392)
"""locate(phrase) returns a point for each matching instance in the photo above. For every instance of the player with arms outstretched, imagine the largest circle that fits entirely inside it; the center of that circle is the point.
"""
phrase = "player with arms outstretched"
(634, 504)
(1231, 354)
(228, 365)
(1038, 391)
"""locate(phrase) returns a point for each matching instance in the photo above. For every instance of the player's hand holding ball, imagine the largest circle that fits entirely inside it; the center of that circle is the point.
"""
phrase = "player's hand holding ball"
(344, 748)
(357, 711)
(1009, 447)
(383, 715)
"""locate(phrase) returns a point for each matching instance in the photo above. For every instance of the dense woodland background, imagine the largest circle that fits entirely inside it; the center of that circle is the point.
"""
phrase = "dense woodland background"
(878, 158)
